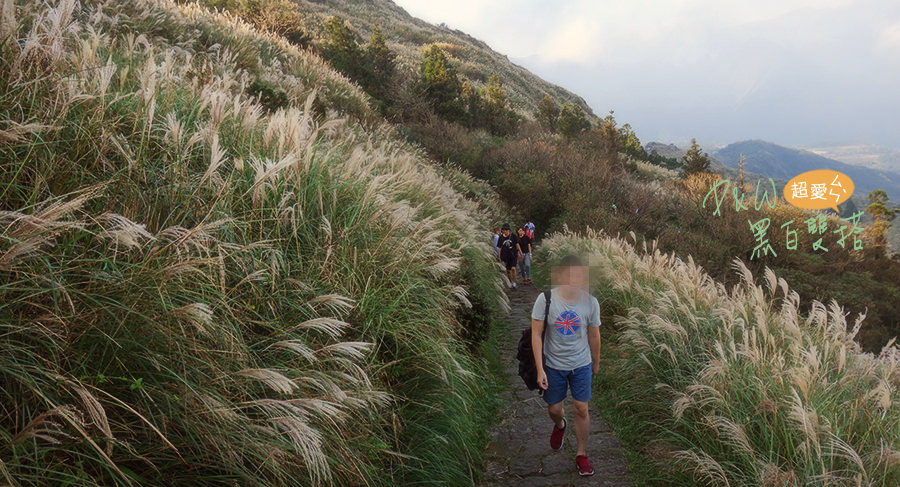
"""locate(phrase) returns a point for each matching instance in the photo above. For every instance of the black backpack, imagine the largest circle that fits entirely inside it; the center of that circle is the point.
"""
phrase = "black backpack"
(527, 367)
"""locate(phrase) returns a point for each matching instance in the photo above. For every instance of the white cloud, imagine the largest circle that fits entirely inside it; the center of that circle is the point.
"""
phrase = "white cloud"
(890, 37)
(726, 69)
(577, 40)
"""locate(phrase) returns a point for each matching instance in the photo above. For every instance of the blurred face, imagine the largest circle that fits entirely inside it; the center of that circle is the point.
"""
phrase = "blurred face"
(569, 278)
(578, 276)
(505, 232)
(520, 232)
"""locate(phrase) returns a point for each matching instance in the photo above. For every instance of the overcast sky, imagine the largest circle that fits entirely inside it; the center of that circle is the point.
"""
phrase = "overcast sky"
(796, 72)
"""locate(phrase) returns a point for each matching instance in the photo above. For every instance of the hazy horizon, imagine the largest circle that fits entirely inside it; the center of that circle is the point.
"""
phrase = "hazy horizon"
(800, 73)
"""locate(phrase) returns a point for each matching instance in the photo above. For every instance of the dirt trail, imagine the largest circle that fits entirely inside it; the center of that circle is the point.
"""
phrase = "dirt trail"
(519, 453)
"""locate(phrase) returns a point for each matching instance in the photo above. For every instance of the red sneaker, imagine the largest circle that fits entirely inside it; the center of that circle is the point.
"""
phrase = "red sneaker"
(557, 436)
(584, 466)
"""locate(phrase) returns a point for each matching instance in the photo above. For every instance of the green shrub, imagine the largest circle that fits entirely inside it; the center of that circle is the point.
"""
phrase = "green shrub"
(268, 95)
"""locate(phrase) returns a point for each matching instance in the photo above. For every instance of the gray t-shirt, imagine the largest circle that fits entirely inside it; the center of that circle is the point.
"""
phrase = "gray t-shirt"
(566, 344)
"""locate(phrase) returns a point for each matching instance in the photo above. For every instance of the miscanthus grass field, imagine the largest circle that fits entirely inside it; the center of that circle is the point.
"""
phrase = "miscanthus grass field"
(738, 386)
(200, 288)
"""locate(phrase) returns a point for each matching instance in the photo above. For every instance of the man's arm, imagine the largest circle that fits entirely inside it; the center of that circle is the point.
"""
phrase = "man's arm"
(537, 345)
(594, 341)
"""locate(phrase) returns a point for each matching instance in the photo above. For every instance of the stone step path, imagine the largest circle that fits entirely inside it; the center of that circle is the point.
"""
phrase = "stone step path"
(519, 453)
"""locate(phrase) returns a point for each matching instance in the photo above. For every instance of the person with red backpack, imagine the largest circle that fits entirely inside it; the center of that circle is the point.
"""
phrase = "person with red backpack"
(529, 229)
(567, 352)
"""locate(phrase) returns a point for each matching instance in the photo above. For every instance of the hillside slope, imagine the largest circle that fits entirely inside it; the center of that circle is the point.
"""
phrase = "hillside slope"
(199, 287)
(781, 162)
(407, 35)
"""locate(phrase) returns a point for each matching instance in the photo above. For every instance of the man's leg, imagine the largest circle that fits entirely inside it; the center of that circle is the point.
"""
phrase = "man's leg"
(580, 382)
(557, 386)
(582, 426)
(511, 271)
(557, 414)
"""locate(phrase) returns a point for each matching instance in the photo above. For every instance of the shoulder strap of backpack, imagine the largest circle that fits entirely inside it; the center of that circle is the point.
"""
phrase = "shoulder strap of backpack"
(546, 313)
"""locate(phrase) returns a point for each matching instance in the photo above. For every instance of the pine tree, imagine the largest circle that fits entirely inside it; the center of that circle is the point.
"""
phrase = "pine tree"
(381, 57)
(631, 144)
(882, 214)
(494, 94)
(572, 120)
(472, 104)
(497, 116)
(346, 55)
(611, 139)
(441, 83)
(695, 160)
(547, 113)
(341, 47)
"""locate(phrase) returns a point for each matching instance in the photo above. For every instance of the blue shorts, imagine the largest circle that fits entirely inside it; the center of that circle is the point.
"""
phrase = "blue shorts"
(559, 381)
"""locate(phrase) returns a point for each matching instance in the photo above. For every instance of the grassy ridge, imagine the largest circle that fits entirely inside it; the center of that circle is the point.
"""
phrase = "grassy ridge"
(409, 35)
(199, 289)
(738, 386)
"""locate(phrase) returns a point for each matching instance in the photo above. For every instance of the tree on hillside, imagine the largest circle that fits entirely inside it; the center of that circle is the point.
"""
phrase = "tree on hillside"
(494, 93)
(440, 82)
(883, 215)
(572, 120)
(695, 160)
(371, 66)
(611, 137)
(631, 144)
(340, 45)
(472, 103)
(547, 113)
(381, 57)
(345, 55)
(496, 115)
(378, 67)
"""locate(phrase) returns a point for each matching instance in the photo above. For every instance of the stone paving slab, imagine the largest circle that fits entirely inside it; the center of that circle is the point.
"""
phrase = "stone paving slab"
(519, 452)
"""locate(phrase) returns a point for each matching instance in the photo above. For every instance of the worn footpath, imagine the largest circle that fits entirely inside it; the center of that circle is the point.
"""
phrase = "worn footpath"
(519, 452)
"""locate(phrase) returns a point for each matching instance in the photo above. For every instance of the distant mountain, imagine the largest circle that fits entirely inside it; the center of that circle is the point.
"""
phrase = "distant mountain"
(673, 151)
(779, 162)
(866, 155)
(665, 150)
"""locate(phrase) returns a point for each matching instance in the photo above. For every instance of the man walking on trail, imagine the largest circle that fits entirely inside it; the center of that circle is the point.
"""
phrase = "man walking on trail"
(529, 229)
(568, 355)
(525, 258)
(508, 252)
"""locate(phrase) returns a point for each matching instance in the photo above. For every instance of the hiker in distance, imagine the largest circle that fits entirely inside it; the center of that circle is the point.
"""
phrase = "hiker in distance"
(525, 256)
(567, 356)
(508, 251)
